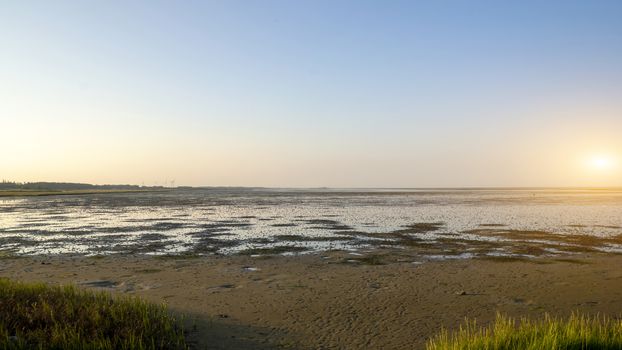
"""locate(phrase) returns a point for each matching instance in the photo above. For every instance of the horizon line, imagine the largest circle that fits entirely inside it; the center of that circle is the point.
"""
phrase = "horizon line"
(335, 188)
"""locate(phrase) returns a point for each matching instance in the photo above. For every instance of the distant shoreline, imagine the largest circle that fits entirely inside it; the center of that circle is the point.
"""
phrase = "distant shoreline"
(41, 193)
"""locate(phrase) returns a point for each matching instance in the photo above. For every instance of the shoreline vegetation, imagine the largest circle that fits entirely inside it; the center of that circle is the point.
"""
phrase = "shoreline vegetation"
(37, 316)
(26, 189)
(318, 301)
(36, 193)
(576, 332)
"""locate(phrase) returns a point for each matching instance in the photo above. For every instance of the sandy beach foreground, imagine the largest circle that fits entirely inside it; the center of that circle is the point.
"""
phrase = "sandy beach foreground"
(330, 301)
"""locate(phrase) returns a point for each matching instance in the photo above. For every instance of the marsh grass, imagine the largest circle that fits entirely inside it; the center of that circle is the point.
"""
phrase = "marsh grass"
(576, 332)
(34, 316)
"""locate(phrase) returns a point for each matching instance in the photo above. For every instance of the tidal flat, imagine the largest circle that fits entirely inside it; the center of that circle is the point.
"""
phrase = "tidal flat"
(420, 224)
(301, 269)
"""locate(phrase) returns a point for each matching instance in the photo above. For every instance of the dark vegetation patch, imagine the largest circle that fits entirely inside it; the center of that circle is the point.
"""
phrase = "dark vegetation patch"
(213, 245)
(577, 249)
(372, 259)
(507, 259)
(224, 225)
(124, 229)
(573, 261)
(401, 235)
(531, 250)
(516, 234)
(33, 232)
(77, 233)
(503, 258)
(7, 254)
(407, 238)
(327, 224)
(299, 238)
(96, 257)
(291, 224)
(57, 217)
(158, 219)
(33, 224)
(153, 237)
(421, 227)
(523, 244)
(143, 247)
(543, 239)
(166, 226)
(100, 240)
(179, 256)
(261, 240)
(152, 247)
(17, 240)
(216, 231)
(273, 250)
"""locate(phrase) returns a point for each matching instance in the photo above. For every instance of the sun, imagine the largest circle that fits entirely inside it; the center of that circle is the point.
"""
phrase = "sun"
(601, 162)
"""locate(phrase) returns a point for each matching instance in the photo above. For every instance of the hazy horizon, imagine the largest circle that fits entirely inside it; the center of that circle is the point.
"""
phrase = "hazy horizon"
(347, 94)
(172, 185)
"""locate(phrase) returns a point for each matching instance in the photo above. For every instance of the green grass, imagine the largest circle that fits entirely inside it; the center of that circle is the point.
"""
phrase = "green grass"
(37, 316)
(576, 332)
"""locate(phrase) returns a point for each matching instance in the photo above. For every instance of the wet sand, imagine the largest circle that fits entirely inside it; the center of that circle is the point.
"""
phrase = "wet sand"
(325, 302)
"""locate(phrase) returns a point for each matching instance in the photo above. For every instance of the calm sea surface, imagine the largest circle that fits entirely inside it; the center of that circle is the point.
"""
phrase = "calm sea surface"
(426, 223)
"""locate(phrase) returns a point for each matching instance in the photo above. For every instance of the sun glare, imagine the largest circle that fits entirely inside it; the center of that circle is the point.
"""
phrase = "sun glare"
(602, 162)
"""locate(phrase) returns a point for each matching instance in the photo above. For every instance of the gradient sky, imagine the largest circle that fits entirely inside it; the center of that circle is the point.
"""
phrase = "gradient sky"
(312, 93)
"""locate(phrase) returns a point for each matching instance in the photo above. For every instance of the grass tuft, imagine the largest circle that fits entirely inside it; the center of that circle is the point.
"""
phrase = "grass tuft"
(34, 316)
(576, 332)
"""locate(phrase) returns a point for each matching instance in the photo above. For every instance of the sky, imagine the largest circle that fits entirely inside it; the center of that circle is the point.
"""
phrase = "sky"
(312, 93)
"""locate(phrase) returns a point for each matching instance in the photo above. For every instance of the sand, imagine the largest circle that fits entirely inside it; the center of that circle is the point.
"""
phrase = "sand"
(324, 302)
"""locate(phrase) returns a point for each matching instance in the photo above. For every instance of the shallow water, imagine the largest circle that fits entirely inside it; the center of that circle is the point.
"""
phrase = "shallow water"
(426, 223)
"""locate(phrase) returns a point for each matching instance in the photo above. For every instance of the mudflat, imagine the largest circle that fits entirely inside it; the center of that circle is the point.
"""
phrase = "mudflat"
(336, 300)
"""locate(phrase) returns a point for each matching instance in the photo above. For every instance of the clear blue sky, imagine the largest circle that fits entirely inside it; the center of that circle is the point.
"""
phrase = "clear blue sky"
(312, 93)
